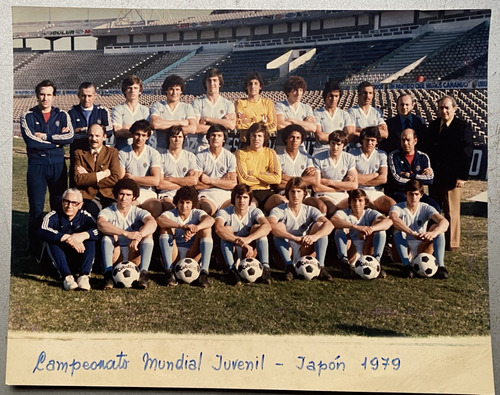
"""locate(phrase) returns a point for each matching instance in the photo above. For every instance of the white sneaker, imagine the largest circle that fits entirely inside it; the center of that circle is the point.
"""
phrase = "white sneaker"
(84, 283)
(69, 283)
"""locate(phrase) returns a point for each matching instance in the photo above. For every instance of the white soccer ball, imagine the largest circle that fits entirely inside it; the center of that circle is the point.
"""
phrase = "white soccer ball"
(187, 270)
(307, 267)
(250, 269)
(367, 267)
(424, 264)
(125, 274)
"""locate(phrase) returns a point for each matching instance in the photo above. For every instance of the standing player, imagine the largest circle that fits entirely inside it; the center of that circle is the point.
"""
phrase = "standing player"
(301, 228)
(218, 167)
(45, 130)
(364, 227)
(338, 173)
(243, 229)
(410, 220)
(125, 114)
(128, 233)
(172, 112)
(212, 108)
(186, 231)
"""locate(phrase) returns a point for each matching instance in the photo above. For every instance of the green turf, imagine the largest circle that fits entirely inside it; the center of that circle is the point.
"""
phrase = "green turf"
(391, 307)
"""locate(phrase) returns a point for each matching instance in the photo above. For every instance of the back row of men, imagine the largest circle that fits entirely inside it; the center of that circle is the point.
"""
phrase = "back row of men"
(151, 141)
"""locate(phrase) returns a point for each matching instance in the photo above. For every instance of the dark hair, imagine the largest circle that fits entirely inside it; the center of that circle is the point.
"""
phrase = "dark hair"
(126, 183)
(186, 193)
(143, 125)
(295, 182)
(173, 80)
(255, 128)
(356, 194)
(338, 136)
(174, 131)
(370, 132)
(331, 86)
(253, 75)
(240, 189)
(287, 131)
(217, 128)
(414, 185)
(85, 85)
(129, 81)
(101, 126)
(212, 72)
(293, 83)
(43, 84)
(363, 85)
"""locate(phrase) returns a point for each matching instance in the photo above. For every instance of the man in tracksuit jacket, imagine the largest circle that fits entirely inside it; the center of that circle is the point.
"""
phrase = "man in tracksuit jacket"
(45, 130)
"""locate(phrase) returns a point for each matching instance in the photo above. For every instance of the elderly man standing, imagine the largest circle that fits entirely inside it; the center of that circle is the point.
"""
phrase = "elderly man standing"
(449, 145)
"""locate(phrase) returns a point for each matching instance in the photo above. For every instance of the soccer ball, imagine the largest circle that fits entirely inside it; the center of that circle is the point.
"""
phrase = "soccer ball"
(367, 267)
(125, 274)
(425, 264)
(250, 269)
(307, 267)
(187, 270)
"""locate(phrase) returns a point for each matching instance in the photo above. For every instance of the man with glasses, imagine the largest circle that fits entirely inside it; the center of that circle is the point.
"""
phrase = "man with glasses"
(71, 235)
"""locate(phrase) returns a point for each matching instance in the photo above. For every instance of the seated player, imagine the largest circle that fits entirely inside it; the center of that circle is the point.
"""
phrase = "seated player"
(359, 230)
(178, 168)
(371, 165)
(301, 228)
(142, 163)
(408, 163)
(244, 229)
(295, 163)
(186, 232)
(257, 165)
(338, 173)
(71, 235)
(128, 233)
(410, 220)
(218, 166)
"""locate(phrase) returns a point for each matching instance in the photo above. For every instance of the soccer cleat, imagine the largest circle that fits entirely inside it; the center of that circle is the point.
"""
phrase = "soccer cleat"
(69, 283)
(266, 275)
(108, 280)
(84, 282)
(233, 278)
(346, 268)
(442, 273)
(203, 279)
(289, 273)
(408, 271)
(143, 281)
(324, 275)
(171, 281)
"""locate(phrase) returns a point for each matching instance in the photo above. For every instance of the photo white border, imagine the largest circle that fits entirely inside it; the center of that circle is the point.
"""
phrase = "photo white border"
(493, 141)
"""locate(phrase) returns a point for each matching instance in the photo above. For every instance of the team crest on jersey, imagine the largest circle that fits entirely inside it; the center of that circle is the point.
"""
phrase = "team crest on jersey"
(57, 123)
(302, 167)
(419, 223)
(99, 121)
(417, 168)
(221, 112)
(184, 170)
(77, 119)
(303, 227)
(221, 169)
(145, 165)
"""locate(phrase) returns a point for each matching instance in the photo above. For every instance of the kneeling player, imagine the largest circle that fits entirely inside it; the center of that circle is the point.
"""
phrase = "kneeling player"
(363, 227)
(186, 231)
(302, 228)
(242, 227)
(410, 223)
(128, 232)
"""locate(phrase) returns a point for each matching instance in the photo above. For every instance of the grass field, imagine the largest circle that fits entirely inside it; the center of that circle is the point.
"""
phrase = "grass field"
(391, 307)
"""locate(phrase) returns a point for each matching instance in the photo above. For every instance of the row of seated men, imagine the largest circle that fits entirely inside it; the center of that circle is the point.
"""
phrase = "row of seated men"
(46, 129)
(127, 231)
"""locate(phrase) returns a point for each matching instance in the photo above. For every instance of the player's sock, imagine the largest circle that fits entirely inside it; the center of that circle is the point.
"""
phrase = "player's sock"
(206, 247)
(227, 252)
(282, 246)
(107, 247)
(263, 250)
(320, 248)
(146, 249)
(402, 247)
(340, 238)
(379, 239)
(439, 244)
(166, 242)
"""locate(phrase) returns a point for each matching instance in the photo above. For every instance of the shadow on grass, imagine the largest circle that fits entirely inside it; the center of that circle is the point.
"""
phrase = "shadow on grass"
(474, 209)
(366, 331)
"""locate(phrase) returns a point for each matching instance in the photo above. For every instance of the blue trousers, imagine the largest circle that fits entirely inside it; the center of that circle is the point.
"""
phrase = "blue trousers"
(64, 253)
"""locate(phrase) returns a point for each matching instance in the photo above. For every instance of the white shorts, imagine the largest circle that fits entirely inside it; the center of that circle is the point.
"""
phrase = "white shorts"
(413, 246)
(216, 195)
(373, 194)
(169, 195)
(358, 245)
(146, 194)
(335, 197)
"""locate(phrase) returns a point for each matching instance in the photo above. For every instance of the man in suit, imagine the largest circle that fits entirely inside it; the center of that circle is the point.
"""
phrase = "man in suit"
(97, 169)
(403, 120)
(449, 145)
